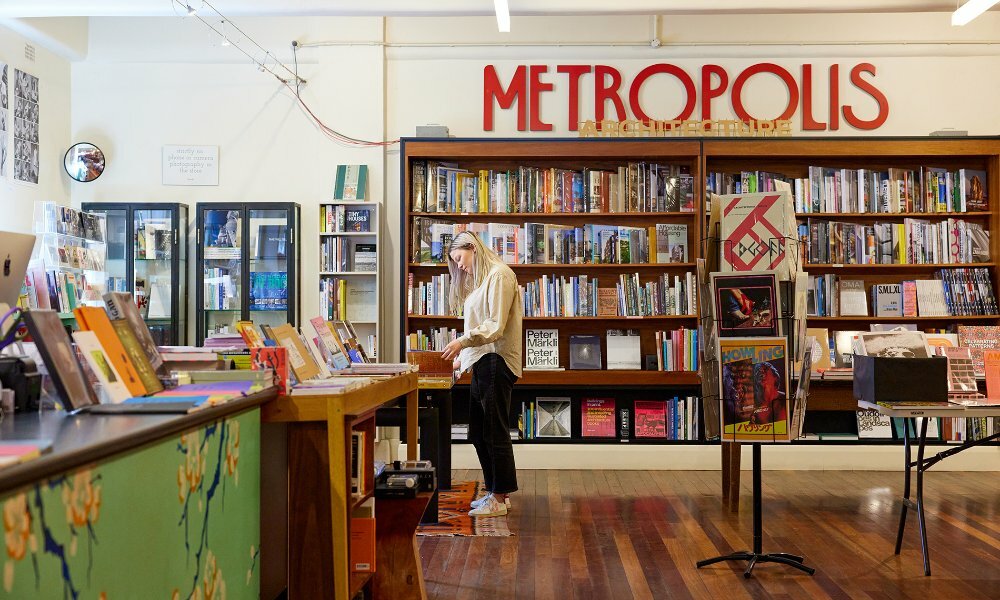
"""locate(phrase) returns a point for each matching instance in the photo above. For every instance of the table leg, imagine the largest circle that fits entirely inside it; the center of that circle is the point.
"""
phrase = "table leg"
(920, 496)
(906, 483)
(412, 406)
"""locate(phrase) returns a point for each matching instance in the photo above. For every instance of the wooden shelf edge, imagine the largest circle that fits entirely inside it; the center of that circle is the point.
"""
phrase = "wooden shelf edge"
(580, 267)
(531, 216)
(905, 319)
(358, 581)
(602, 378)
(605, 318)
(898, 267)
(890, 216)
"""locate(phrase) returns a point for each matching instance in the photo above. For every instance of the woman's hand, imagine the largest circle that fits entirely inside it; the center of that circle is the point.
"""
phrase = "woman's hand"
(451, 350)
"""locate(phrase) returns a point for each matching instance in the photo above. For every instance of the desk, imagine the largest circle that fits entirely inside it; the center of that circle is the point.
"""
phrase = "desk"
(319, 498)
(923, 462)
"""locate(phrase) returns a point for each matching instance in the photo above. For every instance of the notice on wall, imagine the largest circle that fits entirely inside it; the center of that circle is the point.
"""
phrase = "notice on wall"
(26, 157)
(4, 128)
(190, 165)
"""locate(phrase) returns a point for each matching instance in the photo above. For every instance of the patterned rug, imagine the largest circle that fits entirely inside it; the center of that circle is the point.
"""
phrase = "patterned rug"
(453, 514)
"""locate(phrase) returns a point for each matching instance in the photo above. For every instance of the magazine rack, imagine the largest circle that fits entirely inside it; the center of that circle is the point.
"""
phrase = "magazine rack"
(784, 315)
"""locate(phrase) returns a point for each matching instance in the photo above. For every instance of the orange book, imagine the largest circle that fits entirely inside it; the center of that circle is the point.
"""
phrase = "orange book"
(92, 318)
(991, 359)
(362, 545)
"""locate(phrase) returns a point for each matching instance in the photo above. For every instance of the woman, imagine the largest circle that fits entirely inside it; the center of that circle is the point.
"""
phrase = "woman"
(486, 290)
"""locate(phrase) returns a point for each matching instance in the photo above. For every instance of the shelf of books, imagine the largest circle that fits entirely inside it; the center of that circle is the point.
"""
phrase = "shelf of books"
(67, 268)
(349, 230)
(892, 233)
(602, 236)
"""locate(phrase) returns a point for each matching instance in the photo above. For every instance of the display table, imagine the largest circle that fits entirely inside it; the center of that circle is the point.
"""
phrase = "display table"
(320, 502)
(923, 463)
(135, 506)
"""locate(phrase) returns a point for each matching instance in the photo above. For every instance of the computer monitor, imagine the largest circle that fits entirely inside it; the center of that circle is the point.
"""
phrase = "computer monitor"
(15, 252)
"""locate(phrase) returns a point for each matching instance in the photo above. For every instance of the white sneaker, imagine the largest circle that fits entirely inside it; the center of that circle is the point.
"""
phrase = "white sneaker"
(481, 501)
(490, 508)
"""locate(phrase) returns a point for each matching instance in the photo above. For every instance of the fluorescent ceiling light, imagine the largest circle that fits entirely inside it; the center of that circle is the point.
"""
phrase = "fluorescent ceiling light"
(503, 15)
(970, 10)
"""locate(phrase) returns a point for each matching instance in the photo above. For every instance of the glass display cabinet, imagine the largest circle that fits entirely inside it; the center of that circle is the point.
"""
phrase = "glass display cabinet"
(147, 246)
(248, 265)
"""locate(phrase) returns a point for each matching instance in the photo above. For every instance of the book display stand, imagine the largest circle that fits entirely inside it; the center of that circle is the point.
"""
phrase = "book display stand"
(759, 360)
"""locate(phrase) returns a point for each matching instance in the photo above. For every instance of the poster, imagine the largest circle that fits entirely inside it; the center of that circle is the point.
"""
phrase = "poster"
(4, 120)
(755, 403)
(25, 127)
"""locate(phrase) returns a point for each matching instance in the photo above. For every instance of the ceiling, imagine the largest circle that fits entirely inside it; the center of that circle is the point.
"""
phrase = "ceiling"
(137, 8)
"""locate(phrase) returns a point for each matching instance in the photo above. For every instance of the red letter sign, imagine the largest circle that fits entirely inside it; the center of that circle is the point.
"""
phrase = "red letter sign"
(492, 89)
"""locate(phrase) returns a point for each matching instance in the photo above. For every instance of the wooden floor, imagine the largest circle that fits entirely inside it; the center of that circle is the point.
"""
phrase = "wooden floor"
(637, 534)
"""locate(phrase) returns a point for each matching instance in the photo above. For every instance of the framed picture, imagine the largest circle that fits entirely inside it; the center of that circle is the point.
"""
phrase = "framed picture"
(746, 303)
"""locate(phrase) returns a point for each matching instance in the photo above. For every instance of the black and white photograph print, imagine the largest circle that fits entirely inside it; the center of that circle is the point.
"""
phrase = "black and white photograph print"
(894, 344)
(4, 122)
(25, 127)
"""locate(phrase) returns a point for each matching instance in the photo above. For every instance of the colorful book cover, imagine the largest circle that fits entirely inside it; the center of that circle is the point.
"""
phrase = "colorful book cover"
(991, 361)
(541, 349)
(122, 307)
(57, 353)
(754, 374)
(975, 190)
(357, 219)
(978, 339)
(584, 352)
(745, 304)
(100, 365)
(888, 299)
(671, 243)
(300, 360)
(92, 318)
(873, 425)
(275, 358)
(650, 419)
(597, 417)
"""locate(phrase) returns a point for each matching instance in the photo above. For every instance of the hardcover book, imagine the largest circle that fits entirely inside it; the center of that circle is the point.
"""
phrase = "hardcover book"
(894, 344)
(671, 243)
(975, 190)
(541, 349)
(553, 417)
(597, 417)
(607, 302)
(272, 241)
(122, 307)
(888, 299)
(100, 365)
(357, 219)
(92, 318)
(223, 234)
(650, 420)
(332, 348)
(872, 425)
(299, 358)
(930, 298)
(584, 352)
(755, 404)
(853, 302)
(745, 303)
(623, 349)
(365, 257)
(57, 353)
(961, 372)
(276, 359)
(351, 182)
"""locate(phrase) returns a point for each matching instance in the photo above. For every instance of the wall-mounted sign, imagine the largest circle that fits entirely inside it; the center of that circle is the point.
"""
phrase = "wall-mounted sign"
(190, 165)
(691, 127)
(526, 88)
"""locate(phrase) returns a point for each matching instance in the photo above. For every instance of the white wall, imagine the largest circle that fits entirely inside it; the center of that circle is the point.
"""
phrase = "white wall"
(150, 82)
(17, 199)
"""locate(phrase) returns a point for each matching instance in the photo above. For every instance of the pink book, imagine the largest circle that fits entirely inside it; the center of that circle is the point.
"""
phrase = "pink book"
(909, 298)
(597, 417)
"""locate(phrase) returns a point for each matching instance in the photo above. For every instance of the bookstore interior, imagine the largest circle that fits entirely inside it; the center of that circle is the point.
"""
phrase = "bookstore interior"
(698, 305)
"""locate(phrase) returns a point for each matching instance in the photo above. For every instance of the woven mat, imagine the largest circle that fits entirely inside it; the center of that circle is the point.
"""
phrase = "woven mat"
(453, 514)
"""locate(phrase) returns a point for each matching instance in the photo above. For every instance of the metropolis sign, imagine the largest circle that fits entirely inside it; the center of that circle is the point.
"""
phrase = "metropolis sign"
(525, 89)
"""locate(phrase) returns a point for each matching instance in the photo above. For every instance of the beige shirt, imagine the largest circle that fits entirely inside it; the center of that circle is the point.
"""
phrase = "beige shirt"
(493, 313)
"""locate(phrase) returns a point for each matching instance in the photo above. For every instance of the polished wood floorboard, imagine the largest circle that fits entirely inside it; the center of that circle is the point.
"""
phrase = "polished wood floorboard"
(594, 535)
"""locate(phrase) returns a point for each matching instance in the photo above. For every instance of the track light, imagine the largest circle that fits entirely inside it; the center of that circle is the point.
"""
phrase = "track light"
(503, 15)
(970, 10)
(225, 38)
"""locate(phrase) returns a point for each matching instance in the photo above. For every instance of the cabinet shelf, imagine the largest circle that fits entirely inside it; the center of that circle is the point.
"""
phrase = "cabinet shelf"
(891, 216)
(357, 233)
(579, 267)
(894, 267)
(603, 378)
(596, 319)
(542, 216)
(903, 319)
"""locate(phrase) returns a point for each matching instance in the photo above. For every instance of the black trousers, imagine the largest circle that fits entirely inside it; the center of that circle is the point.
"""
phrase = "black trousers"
(489, 422)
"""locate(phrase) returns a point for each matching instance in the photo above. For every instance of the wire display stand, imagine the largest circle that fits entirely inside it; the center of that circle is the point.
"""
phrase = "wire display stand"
(784, 313)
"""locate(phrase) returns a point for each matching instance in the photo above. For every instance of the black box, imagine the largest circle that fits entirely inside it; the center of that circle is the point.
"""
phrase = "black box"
(426, 478)
(883, 379)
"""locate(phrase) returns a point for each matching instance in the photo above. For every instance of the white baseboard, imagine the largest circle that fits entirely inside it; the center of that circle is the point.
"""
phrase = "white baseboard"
(827, 457)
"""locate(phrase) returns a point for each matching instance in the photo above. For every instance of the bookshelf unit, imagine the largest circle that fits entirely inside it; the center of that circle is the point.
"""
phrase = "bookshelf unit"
(792, 158)
(340, 249)
(509, 156)
(147, 256)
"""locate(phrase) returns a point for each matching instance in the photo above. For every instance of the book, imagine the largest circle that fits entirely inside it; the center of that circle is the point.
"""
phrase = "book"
(351, 182)
(362, 299)
(13, 452)
(597, 417)
(365, 257)
(57, 353)
(894, 344)
(357, 219)
(754, 374)
(853, 302)
(607, 302)
(650, 419)
(100, 365)
(755, 230)
(122, 308)
(274, 358)
(671, 243)
(541, 349)
(979, 338)
(991, 363)
(938, 342)
(843, 349)
(333, 350)
(961, 372)
(745, 303)
(975, 190)
(363, 544)
(552, 417)
(624, 424)
(623, 349)
(584, 352)
(797, 423)
(92, 318)
(873, 425)
(222, 234)
(272, 241)
(888, 299)
(930, 298)
(909, 298)
(300, 360)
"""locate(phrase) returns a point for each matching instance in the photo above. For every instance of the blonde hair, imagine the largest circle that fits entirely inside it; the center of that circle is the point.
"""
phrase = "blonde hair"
(461, 283)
